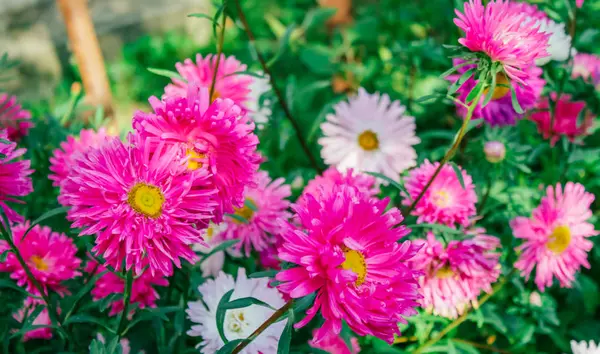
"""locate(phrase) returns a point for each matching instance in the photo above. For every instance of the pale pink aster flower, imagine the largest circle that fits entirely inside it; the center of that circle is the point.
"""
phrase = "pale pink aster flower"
(15, 180)
(213, 236)
(239, 323)
(495, 151)
(218, 137)
(141, 201)
(332, 176)
(587, 66)
(51, 257)
(584, 347)
(500, 31)
(555, 237)
(334, 344)
(445, 201)
(566, 119)
(267, 222)
(62, 159)
(347, 250)
(259, 109)
(370, 133)
(42, 319)
(456, 274)
(124, 342)
(13, 118)
(234, 87)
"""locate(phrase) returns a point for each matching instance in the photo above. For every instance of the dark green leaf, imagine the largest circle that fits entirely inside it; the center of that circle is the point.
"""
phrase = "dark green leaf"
(389, 180)
(220, 247)
(285, 39)
(166, 73)
(215, 20)
(5, 283)
(250, 204)
(46, 215)
(220, 314)
(438, 227)
(459, 174)
(286, 336)
(4, 255)
(461, 80)
(245, 302)
(230, 346)
(474, 93)
(83, 318)
(515, 102)
(317, 17)
(84, 290)
(247, 72)
(264, 274)
(237, 218)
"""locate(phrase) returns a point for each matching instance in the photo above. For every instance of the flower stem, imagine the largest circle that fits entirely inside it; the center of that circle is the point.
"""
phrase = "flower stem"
(286, 110)
(126, 301)
(219, 51)
(274, 317)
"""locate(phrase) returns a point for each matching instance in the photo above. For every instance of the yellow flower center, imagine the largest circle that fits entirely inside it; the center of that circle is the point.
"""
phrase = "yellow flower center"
(441, 198)
(246, 212)
(355, 261)
(146, 199)
(210, 232)
(215, 95)
(368, 140)
(444, 272)
(193, 163)
(502, 87)
(39, 263)
(559, 239)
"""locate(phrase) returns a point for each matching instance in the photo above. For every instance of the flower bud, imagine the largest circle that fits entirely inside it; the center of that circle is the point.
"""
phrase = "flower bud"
(535, 299)
(495, 151)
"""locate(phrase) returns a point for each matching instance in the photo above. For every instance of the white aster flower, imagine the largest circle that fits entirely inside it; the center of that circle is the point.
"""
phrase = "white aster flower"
(370, 133)
(239, 323)
(584, 348)
(260, 112)
(213, 264)
(559, 42)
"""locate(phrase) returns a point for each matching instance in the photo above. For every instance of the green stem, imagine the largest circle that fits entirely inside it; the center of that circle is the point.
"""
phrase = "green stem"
(126, 301)
(219, 51)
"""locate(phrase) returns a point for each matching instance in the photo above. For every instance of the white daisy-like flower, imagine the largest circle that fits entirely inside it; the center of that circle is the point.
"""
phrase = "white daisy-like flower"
(559, 42)
(259, 111)
(239, 323)
(370, 133)
(584, 347)
(214, 263)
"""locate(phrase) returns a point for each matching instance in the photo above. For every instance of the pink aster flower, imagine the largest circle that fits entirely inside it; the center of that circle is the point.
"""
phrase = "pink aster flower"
(265, 212)
(218, 137)
(14, 176)
(142, 290)
(579, 3)
(587, 66)
(555, 237)
(49, 255)
(499, 111)
(13, 118)
(501, 32)
(42, 319)
(141, 201)
(234, 87)
(566, 119)
(347, 250)
(445, 201)
(335, 344)
(456, 274)
(332, 176)
(213, 236)
(62, 159)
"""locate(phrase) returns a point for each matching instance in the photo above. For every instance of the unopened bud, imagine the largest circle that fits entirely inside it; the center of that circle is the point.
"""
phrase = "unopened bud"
(535, 299)
(495, 151)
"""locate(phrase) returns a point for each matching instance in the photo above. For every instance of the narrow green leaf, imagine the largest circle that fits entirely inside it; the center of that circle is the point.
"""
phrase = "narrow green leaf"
(437, 227)
(84, 290)
(230, 346)
(389, 180)
(317, 16)
(264, 274)
(282, 45)
(4, 141)
(247, 72)
(238, 218)
(205, 16)
(46, 215)
(146, 315)
(83, 318)
(459, 174)
(220, 247)
(166, 73)
(4, 255)
(250, 204)
(5, 283)
(428, 97)
(220, 315)
(490, 93)
(215, 19)
(515, 102)
(461, 80)
(286, 336)
(245, 302)
(455, 68)
(474, 92)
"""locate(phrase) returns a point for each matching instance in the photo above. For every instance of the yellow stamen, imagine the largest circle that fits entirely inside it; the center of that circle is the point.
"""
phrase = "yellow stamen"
(368, 140)
(210, 232)
(246, 212)
(355, 261)
(39, 263)
(193, 163)
(444, 272)
(146, 199)
(215, 95)
(502, 87)
(559, 239)
(441, 198)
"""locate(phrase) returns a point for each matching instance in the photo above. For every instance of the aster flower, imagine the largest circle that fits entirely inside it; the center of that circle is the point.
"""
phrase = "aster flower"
(259, 109)
(335, 344)
(142, 291)
(332, 176)
(579, 3)
(265, 211)
(234, 87)
(445, 201)
(213, 236)
(141, 201)
(500, 31)
(559, 43)
(42, 319)
(499, 111)
(347, 250)
(495, 151)
(566, 119)
(49, 255)
(370, 133)
(587, 66)
(555, 237)
(584, 347)
(62, 159)
(456, 274)
(13, 118)
(241, 322)
(218, 138)
(14, 176)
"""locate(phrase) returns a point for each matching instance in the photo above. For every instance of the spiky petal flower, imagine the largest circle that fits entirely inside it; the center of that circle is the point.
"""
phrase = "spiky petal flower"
(234, 87)
(219, 139)
(49, 255)
(239, 323)
(213, 236)
(347, 250)
(13, 118)
(141, 201)
(14, 176)
(370, 133)
(555, 237)
(63, 158)
(335, 344)
(445, 201)
(500, 31)
(566, 119)
(584, 347)
(456, 274)
(142, 291)
(42, 319)
(587, 66)
(579, 3)
(332, 176)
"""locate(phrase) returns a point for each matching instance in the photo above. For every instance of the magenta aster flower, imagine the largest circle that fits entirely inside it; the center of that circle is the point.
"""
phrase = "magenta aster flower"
(500, 31)
(566, 119)
(62, 159)
(445, 201)
(499, 111)
(13, 118)
(141, 201)
(14, 176)
(265, 212)
(347, 250)
(456, 274)
(234, 87)
(142, 290)
(555, 237)
(587, 66)
(332, 176)
(579, 3)
(218, 137)
(42, 319)
(49, 255)
(335, 344)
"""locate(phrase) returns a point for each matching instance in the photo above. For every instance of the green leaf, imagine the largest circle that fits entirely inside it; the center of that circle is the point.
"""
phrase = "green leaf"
(230, 346)
(286, 336)
(455, 68)
(317, 59)
(84, 290)
(389, 180)
(83, 318)
(459, 174)
(220, 314)
(474, 92)
(146, 315)
(461, 80)
(264, 274)
(5, 283)
(250, 204)
(215, 19)
(4, 141)
(46, 215)
(515, 102)
(282, 45)
(205, 16)
(220, 247)
(4, 255)
(237, 218)
(167, 73)
(438, 227)
(317, 16)
(245, 302)
(247, 72)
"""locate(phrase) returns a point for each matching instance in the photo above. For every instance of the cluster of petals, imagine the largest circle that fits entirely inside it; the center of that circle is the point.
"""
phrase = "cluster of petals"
(555, 238)
(347, 250)
(13, 118)
(213, 237)
(456, 274)
(587, 66)
(333, 343)
(42, 319)
(445, 201)
(332, 176)
(15, 180)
